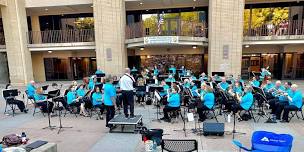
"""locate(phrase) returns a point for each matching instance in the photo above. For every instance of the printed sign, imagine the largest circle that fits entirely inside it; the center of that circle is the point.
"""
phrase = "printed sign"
(161, 40)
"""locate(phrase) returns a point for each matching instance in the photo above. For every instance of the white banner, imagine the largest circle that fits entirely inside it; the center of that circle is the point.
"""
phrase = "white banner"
(161, 40)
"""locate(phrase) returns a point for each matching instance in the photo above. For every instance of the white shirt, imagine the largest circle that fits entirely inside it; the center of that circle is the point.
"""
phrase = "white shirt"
(126, 82)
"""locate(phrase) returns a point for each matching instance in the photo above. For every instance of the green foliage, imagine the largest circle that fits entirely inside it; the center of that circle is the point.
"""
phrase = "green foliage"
(261, 16)
(85, 23)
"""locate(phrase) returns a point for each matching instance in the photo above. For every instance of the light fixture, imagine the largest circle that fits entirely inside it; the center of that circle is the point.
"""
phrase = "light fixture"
(50, 51)
(194, 0)
(92, 6)
(141, 3)
(147, 10)
(46, 9)
(148, 56)
(194, 46)
(247, 46)
(142, 48)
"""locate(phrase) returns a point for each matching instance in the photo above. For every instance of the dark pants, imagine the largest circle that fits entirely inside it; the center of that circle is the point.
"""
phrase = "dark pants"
(101, 107)
(45, 107)
(128, 100)
(140, 96)
(279, 106)
(167, 109)
(272, 105)
(236, 107)
(19, 103)
(76, 104)
(201, 112)
(110, 114)
(287, 109)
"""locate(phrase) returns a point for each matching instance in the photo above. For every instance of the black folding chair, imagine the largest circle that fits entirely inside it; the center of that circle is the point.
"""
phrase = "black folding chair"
(172, 145)
(295, 113)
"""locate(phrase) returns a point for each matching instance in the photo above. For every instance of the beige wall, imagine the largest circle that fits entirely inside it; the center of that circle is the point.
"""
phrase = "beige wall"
(48, 3)
(110, 21)
(225, 29)
(15, 28)
(273, 48)
(170, 50)
(38, 60)
(294, 48)
(3, 2)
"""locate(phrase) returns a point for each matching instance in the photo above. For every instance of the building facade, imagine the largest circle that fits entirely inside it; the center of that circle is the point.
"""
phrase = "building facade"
(64, 40)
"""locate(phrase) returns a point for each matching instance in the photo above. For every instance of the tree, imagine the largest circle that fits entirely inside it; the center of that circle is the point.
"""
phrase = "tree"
(262, 16)
(85, 23)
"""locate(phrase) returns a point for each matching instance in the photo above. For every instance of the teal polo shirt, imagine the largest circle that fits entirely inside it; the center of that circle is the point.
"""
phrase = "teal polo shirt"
(109, 92)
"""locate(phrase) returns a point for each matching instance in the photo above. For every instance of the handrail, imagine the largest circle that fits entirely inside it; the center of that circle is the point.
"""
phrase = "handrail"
(178, 28)
(61, 36)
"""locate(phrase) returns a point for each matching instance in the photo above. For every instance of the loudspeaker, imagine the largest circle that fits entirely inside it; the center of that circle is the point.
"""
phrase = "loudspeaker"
(216, 129)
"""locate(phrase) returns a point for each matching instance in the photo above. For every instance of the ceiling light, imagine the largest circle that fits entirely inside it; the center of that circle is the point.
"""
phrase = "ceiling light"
(194, 0)
(141, 3)
(50, 51)
(246, 46)
(142, 48)
(194, 46)
(92, 6)
(46, 9)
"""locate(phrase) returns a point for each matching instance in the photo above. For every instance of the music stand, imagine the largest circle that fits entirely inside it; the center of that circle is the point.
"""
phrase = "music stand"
(158, 99)
(10, 94)
(260, 92)
(45, 87)
(99, 75)
(169, 83)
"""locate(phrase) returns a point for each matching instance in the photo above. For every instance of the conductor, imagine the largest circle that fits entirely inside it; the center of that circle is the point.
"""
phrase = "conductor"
(126, 85)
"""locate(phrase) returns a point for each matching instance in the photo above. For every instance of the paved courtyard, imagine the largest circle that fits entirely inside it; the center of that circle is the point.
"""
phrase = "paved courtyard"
(89, 134)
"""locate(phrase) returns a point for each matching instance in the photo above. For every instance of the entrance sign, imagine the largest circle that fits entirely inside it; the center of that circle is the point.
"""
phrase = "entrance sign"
(161, 40)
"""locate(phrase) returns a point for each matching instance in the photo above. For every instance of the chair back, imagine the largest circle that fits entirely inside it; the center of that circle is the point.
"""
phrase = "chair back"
(173, 145)
(269, 141)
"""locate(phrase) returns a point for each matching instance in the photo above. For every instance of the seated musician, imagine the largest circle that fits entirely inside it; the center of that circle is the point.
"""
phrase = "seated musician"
(109, 99)
(287, 86)
(264, 73)
(203, 77)
(99, 71)
(207, 101)
(172, 70)
(278, 96)
(295, 101)
(72, 99)
(75, 84)
(223, 85)
(186, 83)
(193, 78)
(267, 88)
(155, 71)
(140, 94)
(237, 88)
(255, 82)
(170, 78)
(134, 70)
(97, 100)
(173, 103)
(41, 101)
(14, 101)
(193, 89)
(165, 87)
(92, 83)
(216, 78)
(31, 89)
(243, 102)
(240, 80)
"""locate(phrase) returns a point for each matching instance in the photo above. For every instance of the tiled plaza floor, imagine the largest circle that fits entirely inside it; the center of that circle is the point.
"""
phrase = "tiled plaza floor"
(91, 135)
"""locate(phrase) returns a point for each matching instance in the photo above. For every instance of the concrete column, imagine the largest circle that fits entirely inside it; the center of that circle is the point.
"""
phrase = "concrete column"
(110, 21)
(15, 28)
(36, 34)
(225, 36)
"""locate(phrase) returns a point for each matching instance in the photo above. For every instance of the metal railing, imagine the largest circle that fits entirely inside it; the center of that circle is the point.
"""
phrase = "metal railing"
(288, 30)
(178, 28)
(61, 36)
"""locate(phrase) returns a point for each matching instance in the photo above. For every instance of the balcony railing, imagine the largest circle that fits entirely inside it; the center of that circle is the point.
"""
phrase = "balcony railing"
(177, 28)
(61, 36)
(293, 29)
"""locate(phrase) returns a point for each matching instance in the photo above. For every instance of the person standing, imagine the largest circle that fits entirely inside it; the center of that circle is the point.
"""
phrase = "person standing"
(109, 100)
(126, 86)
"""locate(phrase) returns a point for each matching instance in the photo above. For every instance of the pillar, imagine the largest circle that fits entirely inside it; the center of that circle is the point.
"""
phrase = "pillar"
(36, 33)
(15, 28)
(109, 22)
(225, 36)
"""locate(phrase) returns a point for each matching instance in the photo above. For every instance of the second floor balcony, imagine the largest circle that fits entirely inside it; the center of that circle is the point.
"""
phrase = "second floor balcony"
(168, 28)
(288, 31)
(61, 36)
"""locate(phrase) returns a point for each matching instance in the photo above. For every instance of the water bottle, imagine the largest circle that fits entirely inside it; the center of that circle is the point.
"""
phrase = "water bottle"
(229, 118)
(23, 138)
(0, 147)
